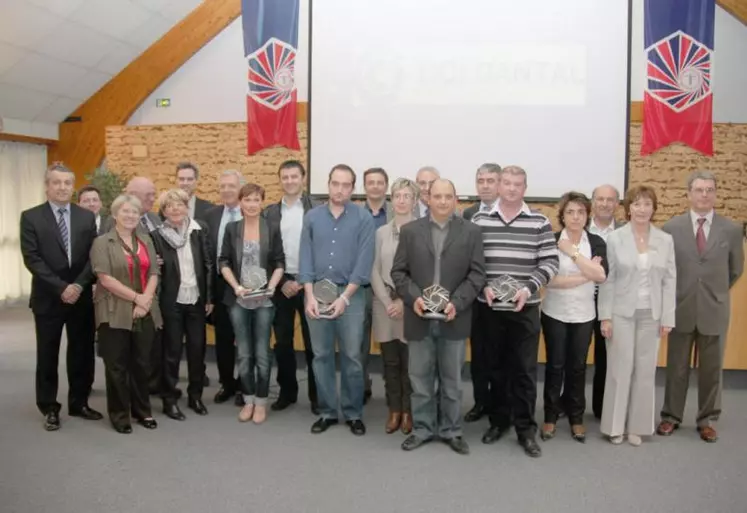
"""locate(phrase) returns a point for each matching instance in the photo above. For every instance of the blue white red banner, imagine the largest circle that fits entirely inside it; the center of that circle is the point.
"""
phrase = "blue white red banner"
(270, 47)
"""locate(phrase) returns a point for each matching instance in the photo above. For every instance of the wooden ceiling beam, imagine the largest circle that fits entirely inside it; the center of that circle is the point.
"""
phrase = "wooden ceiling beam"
(737, 8)
(81, 144)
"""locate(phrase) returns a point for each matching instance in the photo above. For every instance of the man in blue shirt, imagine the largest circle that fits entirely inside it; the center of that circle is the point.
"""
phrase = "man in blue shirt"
(337, 244)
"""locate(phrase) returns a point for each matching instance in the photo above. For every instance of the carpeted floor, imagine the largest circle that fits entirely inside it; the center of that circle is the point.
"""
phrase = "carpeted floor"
(216, 464)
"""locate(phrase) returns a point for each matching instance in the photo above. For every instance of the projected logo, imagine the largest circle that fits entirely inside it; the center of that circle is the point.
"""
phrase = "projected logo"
(679, 71)
(271, 74)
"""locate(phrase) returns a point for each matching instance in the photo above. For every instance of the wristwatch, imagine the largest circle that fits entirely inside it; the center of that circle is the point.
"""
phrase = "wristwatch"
(575, 256)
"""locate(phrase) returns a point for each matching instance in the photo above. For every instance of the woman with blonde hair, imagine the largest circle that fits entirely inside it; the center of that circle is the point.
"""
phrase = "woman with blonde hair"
(125, 264)
(388, 309)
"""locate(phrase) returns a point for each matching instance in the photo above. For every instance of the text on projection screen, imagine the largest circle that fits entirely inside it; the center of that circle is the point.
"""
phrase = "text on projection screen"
(404, 84)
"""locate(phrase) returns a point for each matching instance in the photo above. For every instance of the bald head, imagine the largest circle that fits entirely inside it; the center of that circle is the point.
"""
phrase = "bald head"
(443, 200)
(144, 190)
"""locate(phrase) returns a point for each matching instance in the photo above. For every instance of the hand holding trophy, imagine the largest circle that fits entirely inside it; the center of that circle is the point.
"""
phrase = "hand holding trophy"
(325, 293)
(435, 299)
(254, 282)
(503, 290)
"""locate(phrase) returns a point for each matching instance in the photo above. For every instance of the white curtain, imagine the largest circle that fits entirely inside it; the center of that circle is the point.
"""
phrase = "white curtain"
(22, 168)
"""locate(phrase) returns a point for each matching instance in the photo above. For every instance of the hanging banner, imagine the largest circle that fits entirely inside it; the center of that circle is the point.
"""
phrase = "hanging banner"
(678, 101)
(270, 47)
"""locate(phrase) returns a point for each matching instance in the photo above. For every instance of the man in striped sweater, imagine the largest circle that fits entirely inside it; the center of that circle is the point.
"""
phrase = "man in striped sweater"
(519, 243)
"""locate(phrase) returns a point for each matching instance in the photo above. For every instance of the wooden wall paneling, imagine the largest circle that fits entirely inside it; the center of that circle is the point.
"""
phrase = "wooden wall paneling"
(82, 143)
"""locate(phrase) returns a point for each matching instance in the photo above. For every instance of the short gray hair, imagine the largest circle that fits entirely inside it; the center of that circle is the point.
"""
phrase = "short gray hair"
(57, 166)
(701, 175)
(406, 183)
(234, 172)
(489, 167)
(515, 170)
(428, 168)
(594, 192)
(125, 199)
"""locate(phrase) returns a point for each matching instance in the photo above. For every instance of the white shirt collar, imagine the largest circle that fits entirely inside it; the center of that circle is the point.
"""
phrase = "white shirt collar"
(497, 208)
(694, 216)
(56, 206)
(487, 207)
(610, 227)
(297, 203)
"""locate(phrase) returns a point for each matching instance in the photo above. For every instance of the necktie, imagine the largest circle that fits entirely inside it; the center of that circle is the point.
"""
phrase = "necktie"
(62, 225)
(700, 238)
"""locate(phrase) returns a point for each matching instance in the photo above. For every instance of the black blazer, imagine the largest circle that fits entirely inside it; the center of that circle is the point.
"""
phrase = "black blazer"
(598, 248)
(171, 275)
(274, 212)
(202, 207)
(212, 221)
(48, 263)
(271, 254)
(462, 273)
(471, 211)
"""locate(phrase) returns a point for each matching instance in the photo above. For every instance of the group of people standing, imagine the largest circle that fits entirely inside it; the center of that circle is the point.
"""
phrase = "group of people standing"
(148, 283)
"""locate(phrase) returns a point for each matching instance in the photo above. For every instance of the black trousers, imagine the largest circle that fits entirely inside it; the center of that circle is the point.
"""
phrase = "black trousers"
(567, 346)
(225, 346)
(284, 326)
(479, 341)
(600, 370)
(155, 369)
(126, 355)
(78, 322)
(512, 351)
(180, 322)
(395, 355)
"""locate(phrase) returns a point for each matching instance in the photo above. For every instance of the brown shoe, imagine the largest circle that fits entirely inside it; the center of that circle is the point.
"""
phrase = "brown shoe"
(393, 422)
(548, 431)
(406, 426)
(666, 428)
(708, 434)
(578, 432)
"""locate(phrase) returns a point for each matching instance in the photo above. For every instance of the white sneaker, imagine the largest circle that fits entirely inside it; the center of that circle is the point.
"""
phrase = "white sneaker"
(616, 440)
(634, 440)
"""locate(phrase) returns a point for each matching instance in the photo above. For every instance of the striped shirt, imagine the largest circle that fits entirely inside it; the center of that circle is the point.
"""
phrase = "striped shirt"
(524, 249)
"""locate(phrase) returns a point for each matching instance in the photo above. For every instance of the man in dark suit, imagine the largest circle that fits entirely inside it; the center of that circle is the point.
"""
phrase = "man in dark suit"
(187, 175)
(287, 215)
(486, 181)
(56, 239)
(89, 197)
(446, 250)
(216, 219)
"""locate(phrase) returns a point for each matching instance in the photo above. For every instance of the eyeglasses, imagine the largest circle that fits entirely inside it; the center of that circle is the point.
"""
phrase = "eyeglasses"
(706, 190)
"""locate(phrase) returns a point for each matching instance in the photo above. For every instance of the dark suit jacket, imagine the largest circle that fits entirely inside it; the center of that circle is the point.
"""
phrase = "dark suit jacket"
(471, 211)
(271, 254)
(462, 273)
(274, 213)
(598, 248)
(202, 207)
(171, 275)
(45, 257)
(105, 224)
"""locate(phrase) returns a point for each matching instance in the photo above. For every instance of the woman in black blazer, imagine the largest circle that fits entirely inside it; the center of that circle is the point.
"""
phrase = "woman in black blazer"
(248, 246)
(185, 297)
(568, 313)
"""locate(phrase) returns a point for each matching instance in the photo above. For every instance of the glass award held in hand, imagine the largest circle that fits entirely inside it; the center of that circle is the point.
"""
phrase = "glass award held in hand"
(435, 298)
(254, 280)
(504, 290)
(325, 293)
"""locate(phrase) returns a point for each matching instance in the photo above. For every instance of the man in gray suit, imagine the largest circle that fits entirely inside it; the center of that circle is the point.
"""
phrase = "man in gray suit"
(710, 259)
(446, 250)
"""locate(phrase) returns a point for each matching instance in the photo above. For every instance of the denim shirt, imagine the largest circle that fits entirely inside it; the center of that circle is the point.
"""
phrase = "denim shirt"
(340, 250)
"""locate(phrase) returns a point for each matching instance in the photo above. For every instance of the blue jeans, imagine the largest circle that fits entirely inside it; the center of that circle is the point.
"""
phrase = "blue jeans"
(252, 330)
(348, 331)
(431, 358)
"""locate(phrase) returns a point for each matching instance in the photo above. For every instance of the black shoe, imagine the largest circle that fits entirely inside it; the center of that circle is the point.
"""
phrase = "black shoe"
(172, 411)
(367, 396)
(412, 442)
(205, 381)
(322, 425)
(52, 421)
(281, 404)
(85, 412)
(125, 430)
(531, 447)
(197, 406)
(475, 414)
(314, 407)
(458, 445)
(357, 427)
(238, 400)
(223, 395)
(148, 423)
(493, 434)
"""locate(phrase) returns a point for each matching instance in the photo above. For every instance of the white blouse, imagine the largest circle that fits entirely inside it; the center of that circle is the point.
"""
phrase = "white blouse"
(574, 305)
(189, 292)
(644, 283)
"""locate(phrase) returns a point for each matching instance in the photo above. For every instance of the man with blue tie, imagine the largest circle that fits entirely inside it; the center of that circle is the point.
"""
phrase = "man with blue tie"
(56, 239)
(225, 352)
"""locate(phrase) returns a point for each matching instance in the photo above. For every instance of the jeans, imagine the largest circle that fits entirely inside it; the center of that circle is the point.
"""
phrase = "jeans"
(430, 358)
(252, 329)
(348, 331)
(366, 348)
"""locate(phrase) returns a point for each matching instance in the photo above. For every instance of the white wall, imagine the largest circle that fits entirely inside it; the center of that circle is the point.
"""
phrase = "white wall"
(211, 87)
(29, 128)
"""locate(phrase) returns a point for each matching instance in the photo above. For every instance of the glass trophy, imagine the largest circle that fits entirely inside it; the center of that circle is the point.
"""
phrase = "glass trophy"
(435, 298)
(254, 279)
(325, 293)
(504, 289)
